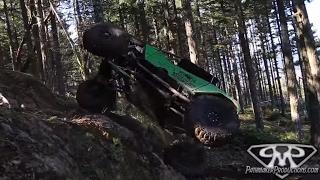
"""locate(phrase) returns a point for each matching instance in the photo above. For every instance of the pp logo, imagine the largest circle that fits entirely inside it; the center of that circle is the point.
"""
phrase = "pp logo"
(282, 159)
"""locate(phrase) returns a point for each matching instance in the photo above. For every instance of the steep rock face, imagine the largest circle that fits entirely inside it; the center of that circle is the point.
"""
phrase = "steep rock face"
(23, 91)
(45, 137)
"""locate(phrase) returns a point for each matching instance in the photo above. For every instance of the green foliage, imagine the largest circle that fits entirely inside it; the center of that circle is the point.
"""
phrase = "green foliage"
(277, 128)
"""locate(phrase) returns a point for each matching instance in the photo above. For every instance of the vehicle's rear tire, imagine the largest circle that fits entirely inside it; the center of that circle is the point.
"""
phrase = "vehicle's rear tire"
(95, 96)
(212, 119)
(106, 40)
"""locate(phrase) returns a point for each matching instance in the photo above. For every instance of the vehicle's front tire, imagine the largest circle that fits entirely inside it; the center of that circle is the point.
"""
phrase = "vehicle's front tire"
(96, 97)
(106, 40)
(212, 119)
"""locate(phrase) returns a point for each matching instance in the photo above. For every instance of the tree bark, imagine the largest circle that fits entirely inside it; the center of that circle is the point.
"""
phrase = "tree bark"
(189, 25)
(97, 11)
(249, 66)
(168, 27)
(14, 18)
(234, 74)
(31, 62)
(9, 34)
(121, 18)
(274, 55)
(1, 56)
(57, 57)
(136, 24)
(178, 28)
(244, 78)
(42, 39)
(203, 58)
(289, 68)
(259, 78)
(72, 44)
(86, 61)
(143, 20)
(225, 70)
(36, 38)
(237, 83)
(311, 67)
(265, 62)
(156, 29)
(217, 58)
(256, 62)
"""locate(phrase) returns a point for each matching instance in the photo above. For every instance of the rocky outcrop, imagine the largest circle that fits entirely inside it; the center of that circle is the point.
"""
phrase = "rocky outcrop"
(45, 137)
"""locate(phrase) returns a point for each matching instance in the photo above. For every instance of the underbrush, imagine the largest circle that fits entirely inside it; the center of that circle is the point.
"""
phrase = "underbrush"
(278, 128)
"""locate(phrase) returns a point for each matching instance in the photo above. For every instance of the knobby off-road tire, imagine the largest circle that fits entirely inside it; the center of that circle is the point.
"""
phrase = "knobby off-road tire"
(106, 40)
(95, 96)
(212, 119)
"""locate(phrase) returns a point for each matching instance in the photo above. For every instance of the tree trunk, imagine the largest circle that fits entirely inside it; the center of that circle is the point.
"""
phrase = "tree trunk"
(178, 28)
(57, 57)
(260, 23)
(289, 68)
(1, 56)
(31, 62)
(9, 33)
(97, 11)
(274, 54)
(202, 37)
(14, 18)
(249, 66)
(156, 29)
(311, 66)
(86, 61)
(168, 27)
(143, 20)
(121, 18)
(244, 79)
(189, 25)
(225, 70)
(42, 39)
(234, 72)
(270, 64)
(265, 62)
(237, 82)
(35, 33)
(256, 61)
(259, 77)
(217, 58)
(136, 24)
(76, 52)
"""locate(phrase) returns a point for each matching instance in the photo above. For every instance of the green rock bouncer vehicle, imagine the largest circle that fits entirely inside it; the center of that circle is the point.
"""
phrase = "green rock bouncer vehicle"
(169, 88)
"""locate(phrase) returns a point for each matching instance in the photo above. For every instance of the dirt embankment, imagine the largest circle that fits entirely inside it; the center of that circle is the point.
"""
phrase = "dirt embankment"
(45, 137)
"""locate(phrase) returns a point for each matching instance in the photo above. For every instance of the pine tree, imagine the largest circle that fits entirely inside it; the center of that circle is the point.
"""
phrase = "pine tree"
(249, 65)
(289, 68)
(311, 66)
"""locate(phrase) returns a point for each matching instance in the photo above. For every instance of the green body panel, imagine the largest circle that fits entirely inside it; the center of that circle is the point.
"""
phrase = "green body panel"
(186, 79)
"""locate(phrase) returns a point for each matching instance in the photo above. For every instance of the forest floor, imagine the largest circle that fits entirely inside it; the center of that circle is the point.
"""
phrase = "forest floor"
(43, 136)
